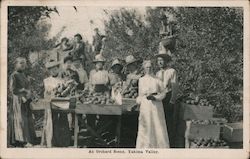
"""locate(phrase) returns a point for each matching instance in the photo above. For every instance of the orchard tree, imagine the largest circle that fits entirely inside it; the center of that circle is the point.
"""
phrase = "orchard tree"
(208, 55)
(28, 32)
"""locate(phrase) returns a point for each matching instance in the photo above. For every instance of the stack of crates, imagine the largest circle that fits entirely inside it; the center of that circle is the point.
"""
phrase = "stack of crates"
(200, 130)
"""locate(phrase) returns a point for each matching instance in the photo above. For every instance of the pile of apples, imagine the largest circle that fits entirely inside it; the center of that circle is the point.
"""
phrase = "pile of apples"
(65, 90)
(197, 101)
(96, 98)
(204, 122)
(131, 92)
(208, 143)
(209, 122)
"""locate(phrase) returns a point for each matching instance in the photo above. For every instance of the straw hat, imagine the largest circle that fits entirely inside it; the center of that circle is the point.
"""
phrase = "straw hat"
(130, 59)
(116, 62)
(99, 58)
(52, 63)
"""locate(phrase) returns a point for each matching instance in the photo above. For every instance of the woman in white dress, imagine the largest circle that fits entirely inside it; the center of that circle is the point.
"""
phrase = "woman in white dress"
(50, 84)
(152, 130)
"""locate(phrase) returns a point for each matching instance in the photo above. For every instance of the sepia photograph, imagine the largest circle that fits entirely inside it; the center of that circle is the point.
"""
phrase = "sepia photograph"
(124, 80)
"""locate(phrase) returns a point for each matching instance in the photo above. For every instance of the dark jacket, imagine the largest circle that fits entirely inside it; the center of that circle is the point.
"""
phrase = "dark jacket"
(78, 51)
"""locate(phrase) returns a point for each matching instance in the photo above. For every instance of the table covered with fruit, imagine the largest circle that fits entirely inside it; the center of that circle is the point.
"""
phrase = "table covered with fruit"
(203, 128)
(85, 102)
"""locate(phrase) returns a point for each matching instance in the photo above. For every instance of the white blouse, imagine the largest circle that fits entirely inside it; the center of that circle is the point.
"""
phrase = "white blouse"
(170, 82)
(168, 77)
(99, 77)
(148, 85)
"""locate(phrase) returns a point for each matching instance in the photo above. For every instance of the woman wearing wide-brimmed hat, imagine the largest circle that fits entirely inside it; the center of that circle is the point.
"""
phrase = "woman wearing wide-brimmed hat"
(98, 82)
(116, 78)
(168, 76)
(50, 83)
(133, 67)
(99, 77)
(116, 74)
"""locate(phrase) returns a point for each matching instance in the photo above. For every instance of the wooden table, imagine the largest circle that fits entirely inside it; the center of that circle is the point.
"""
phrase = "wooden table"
(80, 108)
(101, 110)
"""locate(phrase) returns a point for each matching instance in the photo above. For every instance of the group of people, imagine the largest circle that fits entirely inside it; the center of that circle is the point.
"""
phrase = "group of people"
(156, 95)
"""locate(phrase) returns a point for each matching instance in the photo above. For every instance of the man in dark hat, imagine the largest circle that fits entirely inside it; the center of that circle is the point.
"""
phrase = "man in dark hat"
(78, 50)
(168, 76)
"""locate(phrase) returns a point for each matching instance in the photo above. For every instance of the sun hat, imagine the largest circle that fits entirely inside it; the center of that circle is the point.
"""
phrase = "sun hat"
(130, 59)
(99, 58)
(52, 63)
(116, 62)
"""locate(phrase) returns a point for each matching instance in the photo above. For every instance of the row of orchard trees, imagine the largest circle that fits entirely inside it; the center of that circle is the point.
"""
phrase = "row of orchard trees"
(208, 54)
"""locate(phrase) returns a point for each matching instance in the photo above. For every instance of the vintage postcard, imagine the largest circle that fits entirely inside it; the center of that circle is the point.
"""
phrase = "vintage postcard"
(124, 79)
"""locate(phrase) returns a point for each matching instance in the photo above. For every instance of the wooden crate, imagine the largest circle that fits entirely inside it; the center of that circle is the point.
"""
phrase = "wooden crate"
(64, 103)
(233, 132)
(128, 104)
(204, 131)
(196, 112)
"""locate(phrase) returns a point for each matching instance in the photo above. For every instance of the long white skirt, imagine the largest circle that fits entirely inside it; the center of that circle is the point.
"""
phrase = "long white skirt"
(152, 130)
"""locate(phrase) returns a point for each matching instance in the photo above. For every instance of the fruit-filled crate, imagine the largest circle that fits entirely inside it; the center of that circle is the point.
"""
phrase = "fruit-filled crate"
(203, 129)
(233, 132)
(207, 143)
(197, 112)
(130, 104)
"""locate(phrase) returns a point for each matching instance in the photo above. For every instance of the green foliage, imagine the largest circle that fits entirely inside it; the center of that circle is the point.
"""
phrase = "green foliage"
(208, 54)
(27, 32)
